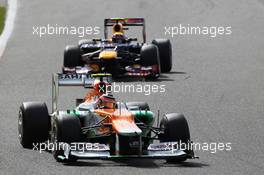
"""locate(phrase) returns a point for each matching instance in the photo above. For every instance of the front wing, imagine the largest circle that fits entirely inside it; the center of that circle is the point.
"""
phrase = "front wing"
(130, 71)
(102, 151)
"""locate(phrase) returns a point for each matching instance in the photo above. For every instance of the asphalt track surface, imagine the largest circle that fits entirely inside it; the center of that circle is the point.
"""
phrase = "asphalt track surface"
(217, 83)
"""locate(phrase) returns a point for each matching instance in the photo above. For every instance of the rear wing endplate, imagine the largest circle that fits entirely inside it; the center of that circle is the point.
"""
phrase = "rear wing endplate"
(71, 80)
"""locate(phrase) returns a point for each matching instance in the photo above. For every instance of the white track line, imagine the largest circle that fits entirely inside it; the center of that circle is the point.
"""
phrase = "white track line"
(9, 24)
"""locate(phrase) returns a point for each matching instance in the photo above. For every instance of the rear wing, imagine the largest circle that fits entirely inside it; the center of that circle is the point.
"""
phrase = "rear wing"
(125, 22)
(70, 80)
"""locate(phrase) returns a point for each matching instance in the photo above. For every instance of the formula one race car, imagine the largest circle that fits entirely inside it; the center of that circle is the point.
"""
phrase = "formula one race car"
(120, 55)
(99, 127)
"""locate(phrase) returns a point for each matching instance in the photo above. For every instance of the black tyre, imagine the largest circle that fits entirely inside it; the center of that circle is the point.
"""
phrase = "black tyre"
(165, 54)
(149, 55)
(176, 129)
(67, 129)
(141, 105)
(72, 57)
(33, 123)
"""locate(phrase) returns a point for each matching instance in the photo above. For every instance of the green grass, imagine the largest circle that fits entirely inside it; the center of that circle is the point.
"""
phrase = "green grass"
(2, 18)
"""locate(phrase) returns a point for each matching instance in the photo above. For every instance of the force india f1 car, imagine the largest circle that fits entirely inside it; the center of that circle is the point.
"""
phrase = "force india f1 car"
(120, 55)
(101, 128)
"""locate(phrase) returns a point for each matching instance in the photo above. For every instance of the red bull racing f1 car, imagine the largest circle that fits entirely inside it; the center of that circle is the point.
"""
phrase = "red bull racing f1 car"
(121, 55)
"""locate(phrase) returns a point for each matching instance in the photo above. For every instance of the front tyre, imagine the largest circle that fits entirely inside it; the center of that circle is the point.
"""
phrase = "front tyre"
(150, 57)
(66, 129)
(176, 129)
(72, 57)
(165, 54)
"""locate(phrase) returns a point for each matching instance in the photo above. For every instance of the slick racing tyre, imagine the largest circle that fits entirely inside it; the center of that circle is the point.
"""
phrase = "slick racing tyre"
(176, 129)
(72, 57)
(66, 129)
(141, 105)
(150, 57)
(33, 123)
(165, 54)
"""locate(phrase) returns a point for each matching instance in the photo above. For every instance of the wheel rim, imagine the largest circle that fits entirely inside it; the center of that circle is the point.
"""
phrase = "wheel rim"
(54, 134)
(20, 126)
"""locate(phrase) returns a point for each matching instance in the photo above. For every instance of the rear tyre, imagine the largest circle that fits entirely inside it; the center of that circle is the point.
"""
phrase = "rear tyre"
(165, 54)
(66, 129)
(72, 57)
(33, 123)
(176, 129)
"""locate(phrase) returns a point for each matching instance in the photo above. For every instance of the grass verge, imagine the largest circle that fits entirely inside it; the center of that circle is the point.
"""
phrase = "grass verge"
(2, 18)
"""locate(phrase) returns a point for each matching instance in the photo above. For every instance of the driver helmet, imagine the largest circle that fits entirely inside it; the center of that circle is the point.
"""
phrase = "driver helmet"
(106, 101)
(118, 33)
